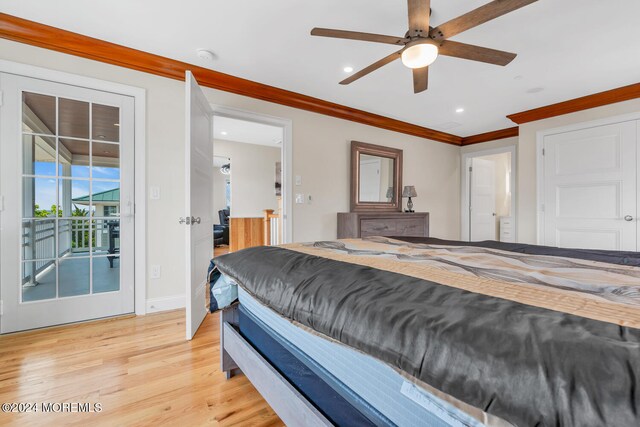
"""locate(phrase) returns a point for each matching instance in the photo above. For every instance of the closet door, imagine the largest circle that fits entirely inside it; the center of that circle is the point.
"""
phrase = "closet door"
(591, 188)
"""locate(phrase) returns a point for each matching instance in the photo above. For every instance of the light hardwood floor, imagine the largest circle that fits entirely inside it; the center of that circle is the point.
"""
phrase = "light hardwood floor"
(140, 369)
(220, 250)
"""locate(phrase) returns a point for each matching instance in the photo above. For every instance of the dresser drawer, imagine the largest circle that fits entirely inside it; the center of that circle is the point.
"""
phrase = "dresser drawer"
(368, 224)
(410, 227)
(377, 227)
(393, 227)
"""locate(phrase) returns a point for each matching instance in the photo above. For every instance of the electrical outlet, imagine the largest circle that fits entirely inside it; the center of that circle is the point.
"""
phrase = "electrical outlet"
(155, 271)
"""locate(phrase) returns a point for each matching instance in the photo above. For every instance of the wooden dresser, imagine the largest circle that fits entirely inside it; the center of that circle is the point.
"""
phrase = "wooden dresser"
(366, 224)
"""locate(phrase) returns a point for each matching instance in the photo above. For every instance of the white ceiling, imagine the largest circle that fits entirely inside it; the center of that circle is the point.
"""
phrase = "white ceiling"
(247, 132)
(569, 48)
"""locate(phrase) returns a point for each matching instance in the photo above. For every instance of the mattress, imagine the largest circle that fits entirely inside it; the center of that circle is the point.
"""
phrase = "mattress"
(366, 379)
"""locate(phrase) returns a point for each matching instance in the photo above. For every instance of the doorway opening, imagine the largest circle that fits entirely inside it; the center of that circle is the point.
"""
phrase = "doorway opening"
(488, 195)
(251, 154)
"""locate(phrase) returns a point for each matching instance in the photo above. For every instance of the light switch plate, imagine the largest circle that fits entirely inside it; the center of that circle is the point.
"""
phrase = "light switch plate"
(298, 180)
(155, 271)
(154, 193)
(299, 198)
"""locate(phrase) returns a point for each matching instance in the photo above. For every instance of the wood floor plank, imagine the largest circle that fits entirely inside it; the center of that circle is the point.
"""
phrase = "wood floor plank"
(140, 369)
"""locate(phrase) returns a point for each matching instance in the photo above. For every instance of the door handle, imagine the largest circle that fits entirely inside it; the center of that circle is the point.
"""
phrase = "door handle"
(195, 220)
(628, 218)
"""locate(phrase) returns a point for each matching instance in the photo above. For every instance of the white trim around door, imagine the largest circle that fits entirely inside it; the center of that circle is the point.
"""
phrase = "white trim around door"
(286, 153)
(540, 136)
(139, 95)
(465, 162)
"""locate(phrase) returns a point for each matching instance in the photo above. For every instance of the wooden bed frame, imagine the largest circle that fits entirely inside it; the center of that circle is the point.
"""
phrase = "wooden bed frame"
(237, 355)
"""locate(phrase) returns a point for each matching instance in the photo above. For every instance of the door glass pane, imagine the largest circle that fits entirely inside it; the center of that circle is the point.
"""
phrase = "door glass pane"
(64, 237)
(73, 276)
(70, 231)
(106, 274)
(38, 280)
(38, 197)
(80, 236)
(105, 161)
(73, 155)
(38, 239)
(38, 113)
(105, 124)
(73, 118)
(74, 197)
(106, 236)
(38, 155)
(106, 195)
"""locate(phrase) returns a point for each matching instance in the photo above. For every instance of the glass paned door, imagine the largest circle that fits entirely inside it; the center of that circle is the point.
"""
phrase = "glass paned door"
(70, 152)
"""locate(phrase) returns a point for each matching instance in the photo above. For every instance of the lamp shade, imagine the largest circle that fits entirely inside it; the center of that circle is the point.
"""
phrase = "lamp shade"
(390, 193)
(409, 191)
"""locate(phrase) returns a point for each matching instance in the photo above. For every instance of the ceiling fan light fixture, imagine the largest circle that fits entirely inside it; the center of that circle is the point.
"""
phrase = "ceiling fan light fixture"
(419, 55)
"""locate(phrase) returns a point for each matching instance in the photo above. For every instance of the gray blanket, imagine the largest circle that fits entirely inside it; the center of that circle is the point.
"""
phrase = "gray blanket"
(529, 365)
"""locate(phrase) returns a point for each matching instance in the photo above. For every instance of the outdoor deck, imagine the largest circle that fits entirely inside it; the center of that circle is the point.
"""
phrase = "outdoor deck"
(74, 278)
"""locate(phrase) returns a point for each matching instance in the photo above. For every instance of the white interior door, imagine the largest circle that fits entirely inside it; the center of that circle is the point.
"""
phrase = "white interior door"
(199, 201)
(482, 209)
(590, 188)
(67, 180)
(370, 179)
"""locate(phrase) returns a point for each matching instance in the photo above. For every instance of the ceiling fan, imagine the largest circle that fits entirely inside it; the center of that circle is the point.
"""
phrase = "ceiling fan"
(422, 44)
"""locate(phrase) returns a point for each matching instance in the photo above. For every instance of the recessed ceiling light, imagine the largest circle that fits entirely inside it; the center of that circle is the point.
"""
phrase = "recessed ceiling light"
(459, 110)
(518, 77)
(223, 133)
(535, 90)
(117, 124)
(348, 69)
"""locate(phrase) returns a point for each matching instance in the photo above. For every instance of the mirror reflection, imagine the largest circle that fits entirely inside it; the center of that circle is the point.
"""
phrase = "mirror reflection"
(376, 179)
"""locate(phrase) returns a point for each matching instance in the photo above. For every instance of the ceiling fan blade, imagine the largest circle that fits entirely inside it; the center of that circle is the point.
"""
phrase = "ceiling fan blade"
(475, 53)
(371, 68)
(419, 11)
(476, 17)
(354, 35)
(420, 79)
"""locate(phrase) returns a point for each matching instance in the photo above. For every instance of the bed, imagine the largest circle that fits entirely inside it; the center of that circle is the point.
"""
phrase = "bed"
(421, 331)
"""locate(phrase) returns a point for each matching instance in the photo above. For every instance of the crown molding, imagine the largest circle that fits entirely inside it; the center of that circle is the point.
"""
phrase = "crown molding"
(491, 136)
(44, 36)
(40, 35)
(607, 97)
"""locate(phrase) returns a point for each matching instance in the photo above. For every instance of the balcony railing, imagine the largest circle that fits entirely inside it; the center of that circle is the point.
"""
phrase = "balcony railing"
(74, 236)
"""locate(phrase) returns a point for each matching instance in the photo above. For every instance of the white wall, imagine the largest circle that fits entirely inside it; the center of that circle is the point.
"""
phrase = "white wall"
(320, 157)
(219, 192)
(253, 176)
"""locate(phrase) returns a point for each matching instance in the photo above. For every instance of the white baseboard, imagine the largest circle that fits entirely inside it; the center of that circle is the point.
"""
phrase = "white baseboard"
(165, 303)
(174, 301)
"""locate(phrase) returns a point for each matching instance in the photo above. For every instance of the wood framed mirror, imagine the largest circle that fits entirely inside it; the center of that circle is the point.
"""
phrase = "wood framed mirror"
(376, 178)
